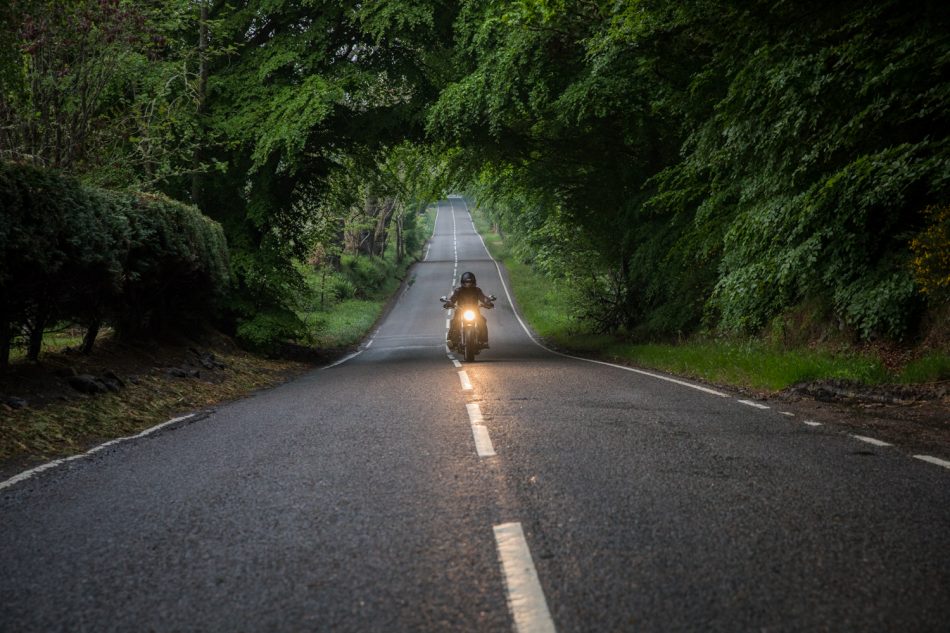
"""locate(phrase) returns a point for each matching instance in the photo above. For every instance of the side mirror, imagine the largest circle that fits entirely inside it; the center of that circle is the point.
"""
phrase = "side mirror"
(491, 297)
(443, 299)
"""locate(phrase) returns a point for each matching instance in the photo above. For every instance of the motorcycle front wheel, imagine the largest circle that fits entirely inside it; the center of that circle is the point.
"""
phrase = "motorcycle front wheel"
(468, 340)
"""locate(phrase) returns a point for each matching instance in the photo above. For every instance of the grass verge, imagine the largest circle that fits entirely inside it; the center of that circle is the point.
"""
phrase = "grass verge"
(750, 364)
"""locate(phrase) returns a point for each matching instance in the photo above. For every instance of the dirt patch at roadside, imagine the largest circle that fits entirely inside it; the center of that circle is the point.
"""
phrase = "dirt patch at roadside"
(915, 418)
(69, 402)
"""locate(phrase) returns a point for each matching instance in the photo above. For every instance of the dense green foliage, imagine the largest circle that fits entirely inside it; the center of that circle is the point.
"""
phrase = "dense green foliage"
(759, 363)
(284, 121)
(711, 163)
(73, 253)
(715, 164)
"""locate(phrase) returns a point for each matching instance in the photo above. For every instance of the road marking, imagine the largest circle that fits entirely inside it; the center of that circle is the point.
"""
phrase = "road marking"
(483, 445)
(525, 597)
(788, 413)
(870, 440)
(934, 460)
(456, 363)
(812, 423)
(448, 323)
(33, 471)
(344, 359)
(757, 405)
(474, 413)
(466, 383)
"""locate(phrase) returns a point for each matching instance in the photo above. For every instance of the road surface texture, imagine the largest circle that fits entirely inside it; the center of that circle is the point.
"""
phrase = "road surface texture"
(533, 492)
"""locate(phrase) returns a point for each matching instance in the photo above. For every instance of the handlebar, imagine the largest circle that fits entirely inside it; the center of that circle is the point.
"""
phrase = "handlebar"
(487, 304)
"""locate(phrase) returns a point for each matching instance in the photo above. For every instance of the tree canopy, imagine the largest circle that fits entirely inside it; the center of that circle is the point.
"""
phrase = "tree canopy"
(724, 162)
(703, 165)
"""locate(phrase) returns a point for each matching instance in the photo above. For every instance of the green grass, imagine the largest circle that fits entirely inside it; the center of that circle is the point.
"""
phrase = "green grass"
(345, 323)
(750, 364)
(55, 342)
(929, 368)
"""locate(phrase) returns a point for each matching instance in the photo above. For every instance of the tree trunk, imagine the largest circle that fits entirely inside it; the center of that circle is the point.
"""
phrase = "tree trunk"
(90, 337)
(5, 339)
(400, 244)
(36, 339)
(379, 236)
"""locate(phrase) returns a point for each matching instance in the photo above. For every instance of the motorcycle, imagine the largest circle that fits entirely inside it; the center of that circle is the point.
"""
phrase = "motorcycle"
(469, 341)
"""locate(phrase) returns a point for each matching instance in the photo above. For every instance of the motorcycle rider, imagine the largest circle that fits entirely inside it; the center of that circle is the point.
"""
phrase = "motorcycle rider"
(468, 294)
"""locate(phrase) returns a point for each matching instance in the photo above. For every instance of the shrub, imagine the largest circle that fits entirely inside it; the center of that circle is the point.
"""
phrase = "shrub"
(83, 255)
(342, 288)
(367, 274)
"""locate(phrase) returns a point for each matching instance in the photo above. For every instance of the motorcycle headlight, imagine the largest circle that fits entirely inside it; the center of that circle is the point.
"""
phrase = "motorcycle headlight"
(469, 315)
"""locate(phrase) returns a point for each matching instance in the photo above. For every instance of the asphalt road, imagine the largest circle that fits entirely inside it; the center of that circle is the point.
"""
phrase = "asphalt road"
(382, 495)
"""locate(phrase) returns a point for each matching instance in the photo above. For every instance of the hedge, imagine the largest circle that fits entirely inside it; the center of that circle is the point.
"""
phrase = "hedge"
(69, 253)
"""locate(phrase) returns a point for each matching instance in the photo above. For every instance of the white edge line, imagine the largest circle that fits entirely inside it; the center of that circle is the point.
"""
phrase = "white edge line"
(344, 359)
(870, 440)
(586, 360)
(933, 460)
(525, 596)
(753, 404)
(33, 471)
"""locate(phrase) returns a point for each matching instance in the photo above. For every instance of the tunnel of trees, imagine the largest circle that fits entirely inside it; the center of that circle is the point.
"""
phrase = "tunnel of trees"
(704, 166)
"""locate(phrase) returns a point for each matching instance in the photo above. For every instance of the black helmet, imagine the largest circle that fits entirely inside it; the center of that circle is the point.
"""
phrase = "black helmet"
(468, 279)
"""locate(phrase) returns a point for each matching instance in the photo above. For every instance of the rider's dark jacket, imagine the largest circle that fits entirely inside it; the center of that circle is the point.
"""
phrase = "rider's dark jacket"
(463, 296)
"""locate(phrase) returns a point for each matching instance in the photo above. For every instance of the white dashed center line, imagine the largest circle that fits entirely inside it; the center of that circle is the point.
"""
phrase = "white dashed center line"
(474, 413)
(483, 445)
(525, 597)
(466, 383)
